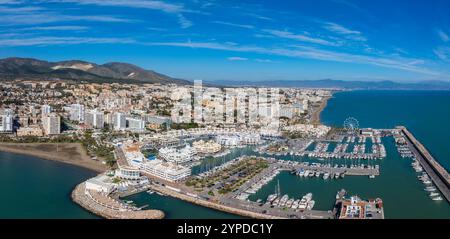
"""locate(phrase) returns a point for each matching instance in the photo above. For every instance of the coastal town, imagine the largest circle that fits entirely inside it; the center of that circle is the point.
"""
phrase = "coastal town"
(210, 146)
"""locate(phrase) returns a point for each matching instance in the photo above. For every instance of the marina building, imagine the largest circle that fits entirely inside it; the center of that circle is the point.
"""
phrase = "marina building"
(128, 172)
(102, 184)
(206, 147)
(356, 208)
(228, 140)
(177, 156)
(239, 139)
(166, 170)
(51, 124)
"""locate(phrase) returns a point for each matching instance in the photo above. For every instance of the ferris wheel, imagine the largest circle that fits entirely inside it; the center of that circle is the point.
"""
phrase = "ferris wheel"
(351, 125)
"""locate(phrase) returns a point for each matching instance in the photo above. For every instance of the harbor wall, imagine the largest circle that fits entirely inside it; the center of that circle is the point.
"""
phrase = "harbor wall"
(79, 197)
(212, 205)
(437, 173)
(443, 174)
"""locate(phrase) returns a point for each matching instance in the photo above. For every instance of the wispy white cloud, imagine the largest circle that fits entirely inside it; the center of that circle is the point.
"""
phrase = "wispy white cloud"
(443, 35)
(263, 60)
(54, 28)
(260, 17)
(158, 29)
(41, 18)
(12, 10)
(175, 9)
(43, 41)
(237, 58)
(234, 24)
(311, 53)
(341, 30)
(11, 2)
(300, 37)
(443, 53)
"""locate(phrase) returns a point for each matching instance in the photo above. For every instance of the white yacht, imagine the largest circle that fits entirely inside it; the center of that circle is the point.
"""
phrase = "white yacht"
(283, 200)
(433, 194)
(310, 205)
(289, 203)
(295, 204)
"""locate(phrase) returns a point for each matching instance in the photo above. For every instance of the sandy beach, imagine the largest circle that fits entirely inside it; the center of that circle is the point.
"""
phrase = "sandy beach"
(71, 153)
(315, 118)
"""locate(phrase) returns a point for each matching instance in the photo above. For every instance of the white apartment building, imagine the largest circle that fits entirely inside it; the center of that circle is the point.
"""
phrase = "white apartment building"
(119, 121)
(76, 112)
(134, 124)
(94, 119)
(46, 109)
(51, 124)
(6, 121)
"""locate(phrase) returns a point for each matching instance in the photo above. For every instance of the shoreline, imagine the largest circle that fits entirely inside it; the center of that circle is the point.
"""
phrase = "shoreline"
(315, 118)
(68, 153)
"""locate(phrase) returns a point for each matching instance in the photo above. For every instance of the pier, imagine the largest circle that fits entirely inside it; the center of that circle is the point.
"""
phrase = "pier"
(110, 208)
(437, 173)
(356, 171)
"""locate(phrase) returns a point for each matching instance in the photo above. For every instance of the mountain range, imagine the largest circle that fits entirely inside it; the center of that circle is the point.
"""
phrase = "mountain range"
(75, 70)
(340, 84)
(115, 72)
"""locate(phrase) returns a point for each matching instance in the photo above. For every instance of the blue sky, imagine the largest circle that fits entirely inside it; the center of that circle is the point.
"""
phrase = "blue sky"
(401, 40)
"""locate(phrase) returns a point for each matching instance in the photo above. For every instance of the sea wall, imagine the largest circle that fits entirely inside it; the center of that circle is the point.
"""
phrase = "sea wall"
(212, 205)
(79, 197)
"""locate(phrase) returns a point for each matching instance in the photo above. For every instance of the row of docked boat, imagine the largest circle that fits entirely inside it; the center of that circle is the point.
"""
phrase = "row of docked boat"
(426, 180)
(416, 166)
(258, 185)
(321, 147)
(318, 174)
(350, 139)
(305, 203)
(340, 148)
(358, 152)
(404, 151)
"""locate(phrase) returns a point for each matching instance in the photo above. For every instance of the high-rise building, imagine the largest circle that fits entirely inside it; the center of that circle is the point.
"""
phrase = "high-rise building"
(51, 124)
(95, 119)
(120, 122)
(6, 121)
(135, 124)
(76, 112)
(46, 109)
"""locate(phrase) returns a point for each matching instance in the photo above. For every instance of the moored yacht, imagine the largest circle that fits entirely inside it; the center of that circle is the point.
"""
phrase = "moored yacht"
(283, 200)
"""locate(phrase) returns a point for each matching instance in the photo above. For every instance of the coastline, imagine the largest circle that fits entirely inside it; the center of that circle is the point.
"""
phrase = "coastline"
(315, 118)
(69, 153)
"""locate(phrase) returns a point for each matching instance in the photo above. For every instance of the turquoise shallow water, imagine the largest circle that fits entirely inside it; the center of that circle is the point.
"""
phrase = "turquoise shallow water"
(35, 188)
